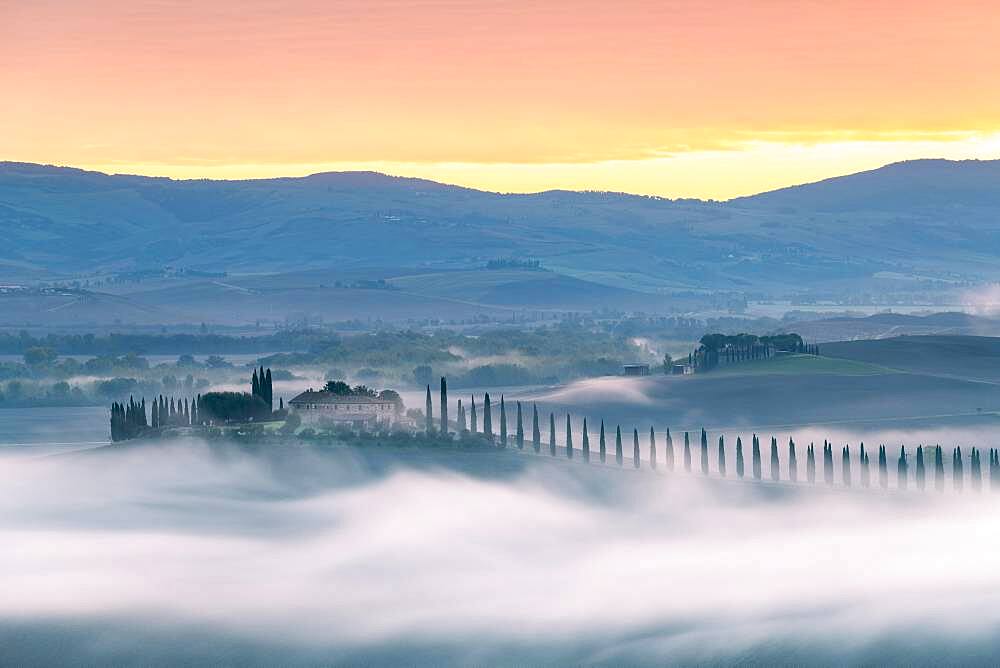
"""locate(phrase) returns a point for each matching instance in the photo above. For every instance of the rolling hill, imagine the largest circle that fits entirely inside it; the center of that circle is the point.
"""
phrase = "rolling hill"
(914, 225)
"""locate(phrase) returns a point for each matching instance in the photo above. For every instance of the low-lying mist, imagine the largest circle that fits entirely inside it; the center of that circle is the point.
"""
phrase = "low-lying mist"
(315, 557)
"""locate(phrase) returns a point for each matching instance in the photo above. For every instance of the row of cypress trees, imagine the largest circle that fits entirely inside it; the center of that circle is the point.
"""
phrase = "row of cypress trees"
(865, 477)
(128, 420)
(182, 413)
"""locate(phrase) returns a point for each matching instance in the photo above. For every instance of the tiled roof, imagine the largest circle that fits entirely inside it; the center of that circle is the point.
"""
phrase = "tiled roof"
(323, 397)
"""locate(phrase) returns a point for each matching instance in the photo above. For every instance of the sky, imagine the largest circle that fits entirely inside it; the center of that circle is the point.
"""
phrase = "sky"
(674, 98)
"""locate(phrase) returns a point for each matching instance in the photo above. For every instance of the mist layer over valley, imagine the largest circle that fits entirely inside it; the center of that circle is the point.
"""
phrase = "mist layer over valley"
(306, 558)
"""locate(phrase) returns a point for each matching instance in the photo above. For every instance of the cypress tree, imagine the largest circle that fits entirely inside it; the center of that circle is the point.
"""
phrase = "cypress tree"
(602, 445)
(883, 468)
(536, 433)
(487, 417)
(154, 417)
(704, 452)
(828, 463)
(474, 428)
(187, 413)
(845, 466)
(976, 471)
(254, 384)
(635, 447)
(269, 387)
(957, 471)
(669, 452)
(429, 414)
(503, 423)
(793, 462)
(811, 464)
(866, 475)
(569, 438)
(519, 434)
(586, 442)
(444, 406)
(756, 458)
(921, 474)
(775, 463)
(461, 418)
(652, 449)
(994, 469)
(938, 469)
(739, 458)
(552, 434)
(687, 453)
(619, 455)
(902, 469)
(722, 457)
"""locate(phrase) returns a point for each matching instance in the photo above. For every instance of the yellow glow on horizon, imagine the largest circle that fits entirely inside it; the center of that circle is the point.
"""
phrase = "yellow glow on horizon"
(751, 168)
(680, 98)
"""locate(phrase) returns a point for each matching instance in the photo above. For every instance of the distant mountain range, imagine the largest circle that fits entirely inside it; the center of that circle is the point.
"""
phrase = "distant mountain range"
(926, 225)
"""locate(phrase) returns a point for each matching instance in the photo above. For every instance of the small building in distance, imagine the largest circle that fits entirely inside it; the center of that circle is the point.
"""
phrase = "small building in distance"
(636, 369)
(349, 410)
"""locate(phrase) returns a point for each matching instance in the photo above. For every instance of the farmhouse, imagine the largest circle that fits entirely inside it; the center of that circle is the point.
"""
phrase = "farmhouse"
(353, 410)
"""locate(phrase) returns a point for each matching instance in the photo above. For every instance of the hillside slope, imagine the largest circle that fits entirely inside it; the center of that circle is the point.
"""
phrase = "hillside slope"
(910, 226)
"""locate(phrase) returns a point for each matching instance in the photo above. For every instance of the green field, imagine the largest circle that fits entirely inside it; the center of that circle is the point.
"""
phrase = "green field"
(803, 365)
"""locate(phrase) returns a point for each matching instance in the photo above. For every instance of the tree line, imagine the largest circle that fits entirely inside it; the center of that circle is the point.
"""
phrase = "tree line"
(130, 421)
(468, 422)
(718, 349)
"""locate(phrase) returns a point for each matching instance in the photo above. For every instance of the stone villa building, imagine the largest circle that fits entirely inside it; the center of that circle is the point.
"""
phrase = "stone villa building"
(356, 411)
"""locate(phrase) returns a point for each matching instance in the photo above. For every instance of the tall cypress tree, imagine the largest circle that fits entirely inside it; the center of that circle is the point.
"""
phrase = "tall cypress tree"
(487, 417)
(602, 445)
(536, 433)
(921, 473)
(154, 417)
(444, 406)
(429, 414)
(902, 469)
(519, 434)
(669, 452)
(569, 438)
(586, 442)
(866, 475)
(254, 384)
(739, 458)
(269, 387)
(704, 452)
(652, 449)
(976, 471)
(811, 464)
(845, 466)
(635, 447)
(462, 426)
(619, 455)
(938, 469)
(474, 428)
(793, 462)
(687, 453)
(775, 463)
(883, 468)
(828, 463)
(756, 458)
(957, 471)
(552, 434)
(503, 423)
(722, 457)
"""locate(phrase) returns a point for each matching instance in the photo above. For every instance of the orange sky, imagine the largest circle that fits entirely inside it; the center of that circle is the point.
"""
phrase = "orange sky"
(706, 99)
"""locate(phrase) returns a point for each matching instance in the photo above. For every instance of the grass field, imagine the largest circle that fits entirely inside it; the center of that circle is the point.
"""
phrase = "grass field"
(802, 364)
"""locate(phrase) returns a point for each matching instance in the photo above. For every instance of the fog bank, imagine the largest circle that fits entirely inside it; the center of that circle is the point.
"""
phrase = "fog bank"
(555, 563)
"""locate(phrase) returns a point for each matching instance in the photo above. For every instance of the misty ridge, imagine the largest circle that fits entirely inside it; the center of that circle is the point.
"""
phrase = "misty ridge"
(317, 558)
